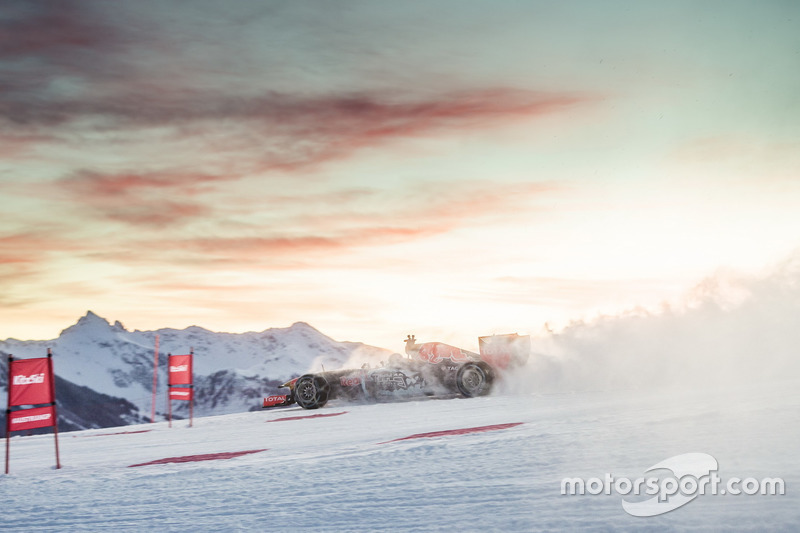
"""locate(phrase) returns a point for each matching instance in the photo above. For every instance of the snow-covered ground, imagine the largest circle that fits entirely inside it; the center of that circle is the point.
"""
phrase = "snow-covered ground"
(342, 473)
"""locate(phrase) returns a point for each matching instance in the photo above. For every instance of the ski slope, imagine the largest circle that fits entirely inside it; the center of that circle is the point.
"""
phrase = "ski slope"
(401, 467)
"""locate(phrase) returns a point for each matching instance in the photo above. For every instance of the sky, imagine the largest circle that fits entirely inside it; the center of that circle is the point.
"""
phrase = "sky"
(449, 169)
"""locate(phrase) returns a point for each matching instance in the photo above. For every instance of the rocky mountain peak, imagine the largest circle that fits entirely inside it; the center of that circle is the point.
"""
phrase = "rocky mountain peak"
(88, 324)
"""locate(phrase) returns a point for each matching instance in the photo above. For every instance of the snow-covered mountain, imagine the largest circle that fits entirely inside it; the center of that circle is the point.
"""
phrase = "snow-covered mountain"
(105, 368)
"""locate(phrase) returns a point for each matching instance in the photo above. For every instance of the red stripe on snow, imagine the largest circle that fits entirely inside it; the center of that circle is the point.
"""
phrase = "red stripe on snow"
(118, 433)
(202, 457)
(306, 416)
(462, 431)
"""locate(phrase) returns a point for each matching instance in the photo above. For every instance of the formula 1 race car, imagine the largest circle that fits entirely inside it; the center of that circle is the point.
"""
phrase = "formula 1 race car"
(430, 369)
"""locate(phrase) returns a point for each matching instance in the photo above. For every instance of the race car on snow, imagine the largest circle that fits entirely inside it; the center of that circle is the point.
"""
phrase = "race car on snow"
(429, 369)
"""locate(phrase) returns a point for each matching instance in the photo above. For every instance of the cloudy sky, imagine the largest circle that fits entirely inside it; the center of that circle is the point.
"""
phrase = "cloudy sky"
(444, 168)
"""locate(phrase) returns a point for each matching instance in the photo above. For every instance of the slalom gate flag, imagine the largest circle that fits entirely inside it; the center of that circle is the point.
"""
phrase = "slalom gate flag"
(32, 391)
(29, 382)
(180, 386)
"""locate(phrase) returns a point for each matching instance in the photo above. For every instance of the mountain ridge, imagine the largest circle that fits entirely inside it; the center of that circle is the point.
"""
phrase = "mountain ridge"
(231, 370)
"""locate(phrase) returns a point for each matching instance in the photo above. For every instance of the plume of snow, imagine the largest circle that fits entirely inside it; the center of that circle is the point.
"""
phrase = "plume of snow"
(731, 330)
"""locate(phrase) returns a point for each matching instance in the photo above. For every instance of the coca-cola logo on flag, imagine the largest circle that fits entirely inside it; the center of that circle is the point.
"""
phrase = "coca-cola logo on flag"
(180, 369)
(29, 382)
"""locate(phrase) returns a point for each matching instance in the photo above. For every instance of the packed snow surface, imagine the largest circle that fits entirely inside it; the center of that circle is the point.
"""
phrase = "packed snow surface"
(486, 464)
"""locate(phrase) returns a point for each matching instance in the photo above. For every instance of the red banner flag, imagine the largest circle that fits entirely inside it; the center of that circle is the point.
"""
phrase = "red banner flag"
(180, 369)
(38, 417)
(29, 382)
(181, 394)
(180, 373)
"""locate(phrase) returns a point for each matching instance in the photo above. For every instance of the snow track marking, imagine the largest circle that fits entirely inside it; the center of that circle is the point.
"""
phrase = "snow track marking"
(462, 431)
(117, 433)
(201, 457)
(306, 416)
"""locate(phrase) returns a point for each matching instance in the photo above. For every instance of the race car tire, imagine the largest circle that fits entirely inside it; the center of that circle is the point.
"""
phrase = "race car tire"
(311, 392)
(474, 379)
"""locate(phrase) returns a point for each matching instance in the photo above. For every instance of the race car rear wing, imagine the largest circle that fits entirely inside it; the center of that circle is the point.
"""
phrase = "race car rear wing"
(505, 351)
